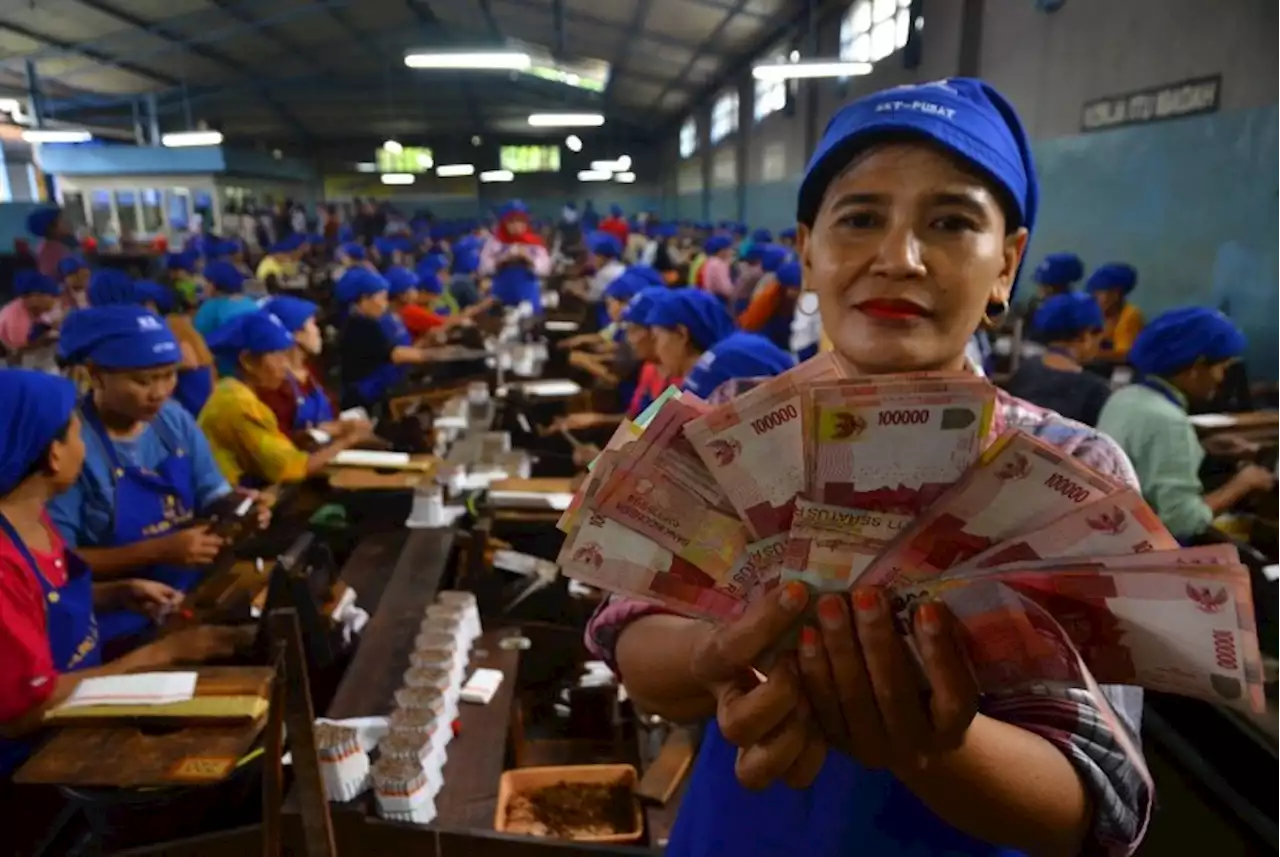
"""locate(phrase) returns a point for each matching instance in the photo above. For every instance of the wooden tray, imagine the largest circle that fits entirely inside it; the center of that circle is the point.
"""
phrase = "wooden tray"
(360, 479)
(242, 683)
(524, 780)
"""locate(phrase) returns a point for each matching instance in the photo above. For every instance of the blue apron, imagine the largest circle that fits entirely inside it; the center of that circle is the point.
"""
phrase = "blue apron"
(312, 408)
(194, 388)
(71, 626)
(146, 504)
(778, 328)
(515, 284)
(849, 810)
(375, 386)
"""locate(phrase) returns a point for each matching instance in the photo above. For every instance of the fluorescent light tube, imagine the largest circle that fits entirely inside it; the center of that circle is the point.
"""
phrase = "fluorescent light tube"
(497, 176)
(397, 178)
(625, 178)
(606, 166)
(566, 120)
(594, 175)
(573, 142)
(797, 70)
(191, 138)
(477, 60)
(366, 167)
(448, 171)
(393, 147)
(56, 135)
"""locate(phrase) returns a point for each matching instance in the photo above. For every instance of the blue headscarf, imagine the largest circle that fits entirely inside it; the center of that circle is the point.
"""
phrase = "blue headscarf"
(1059, 270)
(625, 287)
(790, 275)
(466, 257)
(642, 303)
(38, 407)
(184, 261)
(1064, 317)
(112, 286)
(289, 244)
(41, 220)
(702, 314)
(789, 232)
(69, 265)
(739, 355)
(292, 312)
(352, 251)
(772, 256)
(400, 280)
(1175, 340)
(358, 283)
(257, 332)
(32, 282)
(149, 291)
(225, 277)
(431, 264)
(604, 244)
(966, 117)
(117, 336)
(648, 274)
(716, 243)
(762, 236)
(1115, 276)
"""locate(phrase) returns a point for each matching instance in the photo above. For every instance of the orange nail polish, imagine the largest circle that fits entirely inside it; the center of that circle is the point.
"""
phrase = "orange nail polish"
(808, 641)
(929, 617)
(829, 612)
(866, 600)
(794, 595)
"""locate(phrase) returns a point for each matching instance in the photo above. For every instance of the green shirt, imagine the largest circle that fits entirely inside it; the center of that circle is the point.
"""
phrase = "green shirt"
(1160, 440)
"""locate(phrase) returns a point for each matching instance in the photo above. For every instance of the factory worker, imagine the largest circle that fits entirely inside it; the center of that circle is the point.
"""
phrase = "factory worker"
(148, 471)
(605, 258)
(787, 238)
(686, 323)
(250, 445)
(515, 258)
(1180, 358)
(47, 224)
(74, 275)
(773, 307)
(716, 274)
(376, 348)
(182, 268)
(225, 301)
(429, 284)
(914, 214)
(742, 358)
(49, 602)
(28, 323)
(280, 265)
(1070, 326)
(1110, 286)
(301, 403)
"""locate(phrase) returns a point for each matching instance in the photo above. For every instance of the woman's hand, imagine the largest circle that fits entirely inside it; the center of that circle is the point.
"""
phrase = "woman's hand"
(149, 597)
(866, 691)
(765, 716)
(261, 507)
(191, 546)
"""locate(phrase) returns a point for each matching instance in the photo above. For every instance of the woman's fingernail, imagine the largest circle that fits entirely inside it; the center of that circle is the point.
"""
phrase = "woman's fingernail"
(929, 617)
(867, 602)
(808, 641)
(794, 595)
(829, 612)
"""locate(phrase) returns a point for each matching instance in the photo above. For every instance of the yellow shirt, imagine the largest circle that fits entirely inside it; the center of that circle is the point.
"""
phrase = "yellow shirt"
(1120, 330)
(246, 439)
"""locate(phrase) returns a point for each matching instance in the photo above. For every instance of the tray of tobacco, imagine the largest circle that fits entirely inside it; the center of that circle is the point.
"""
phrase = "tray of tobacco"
(582, 803)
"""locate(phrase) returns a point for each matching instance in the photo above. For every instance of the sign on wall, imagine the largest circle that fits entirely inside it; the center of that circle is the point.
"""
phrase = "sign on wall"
(1173, 101)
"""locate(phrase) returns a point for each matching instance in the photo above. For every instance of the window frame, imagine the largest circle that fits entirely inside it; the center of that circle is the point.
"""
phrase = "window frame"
(727, 107)
(765, 88)
(688, 137)
(901, 22)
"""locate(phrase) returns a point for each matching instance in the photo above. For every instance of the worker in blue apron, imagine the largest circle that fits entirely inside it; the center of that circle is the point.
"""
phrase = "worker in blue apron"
(376, 348)
(150, 480)
(739, 356)
(298, 316)
(516, 259)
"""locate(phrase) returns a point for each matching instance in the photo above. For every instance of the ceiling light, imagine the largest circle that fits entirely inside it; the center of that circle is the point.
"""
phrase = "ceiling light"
(625, 178)
(397, 178)
(393, 147)
(606, 166)
(477, 60)
(594, 175)
(449, 171)
(56, 135)
(475, 140)
(795, 70)
(566, 120)
(425, 160)
(573, 142)
(497, 176)
(366, 167)
(191, 138)
(624, 162)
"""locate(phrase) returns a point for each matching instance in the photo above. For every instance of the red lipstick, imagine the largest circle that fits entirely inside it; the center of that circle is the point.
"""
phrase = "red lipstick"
(892, 309)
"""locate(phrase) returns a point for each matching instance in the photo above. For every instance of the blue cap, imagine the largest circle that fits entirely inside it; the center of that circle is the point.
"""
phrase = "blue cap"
(466, 258)
(764, 236)
(358, 283)
(615, 210)
(69, 265)
(740, 355)
(964, 116)
(1064, 317)
(37, 408)
(32, 282)
(385, 245)
(184, 261)
(1178, 338)
(42, 219)
(1115, 276)
(790, 275)
(117, 336)
(604, 244)
(289, 244)
(1059, 269)
(400, 280)
(624, 287)
(257, 332)
(716, 243)
(292, 312)
(352, 251)
(738, 229)
(648, 274)
(225, 277)
(431, 264)
(772, 256)
(702, 313)
(642, 303)
(512, 207)
(149, 291)
(789, 232)
(112, 286)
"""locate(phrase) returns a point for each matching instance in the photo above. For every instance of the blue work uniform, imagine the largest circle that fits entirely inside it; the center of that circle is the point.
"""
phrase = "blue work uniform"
(515, 284)
(313, 408)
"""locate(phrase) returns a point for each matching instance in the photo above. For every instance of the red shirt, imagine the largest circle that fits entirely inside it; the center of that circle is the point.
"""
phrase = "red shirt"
(617, 227)
(284, 404)
(27, 675)
(419, 320)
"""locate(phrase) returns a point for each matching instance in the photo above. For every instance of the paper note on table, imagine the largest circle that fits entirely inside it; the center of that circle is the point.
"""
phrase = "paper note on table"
(561, 326)
(1213, 421)
(371, 458)
(551, 388)
(559, 501)
(158, 688)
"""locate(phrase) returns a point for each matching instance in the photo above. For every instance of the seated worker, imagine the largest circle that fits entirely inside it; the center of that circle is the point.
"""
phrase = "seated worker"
(716, 274)
(605, 258)
(49, 633)
(376, 349)
(1070, 325)
(741, 358)
(515, 259)
(441, 301)
(301, 403)
(249, 443)
(148, 471)
(74, 274)
(183, 277)
(464, 287)
(608, 358)
(1056, 274)
(404, 297)
(773, 306)
(617, 295)
(686, 323)
(351, 255)
(225, 301)
(1181, 357)
(279, 267)
(28, 324)
(1110, 286)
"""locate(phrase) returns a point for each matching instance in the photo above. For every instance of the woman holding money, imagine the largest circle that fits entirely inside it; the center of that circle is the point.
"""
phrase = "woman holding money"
(914, 216)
